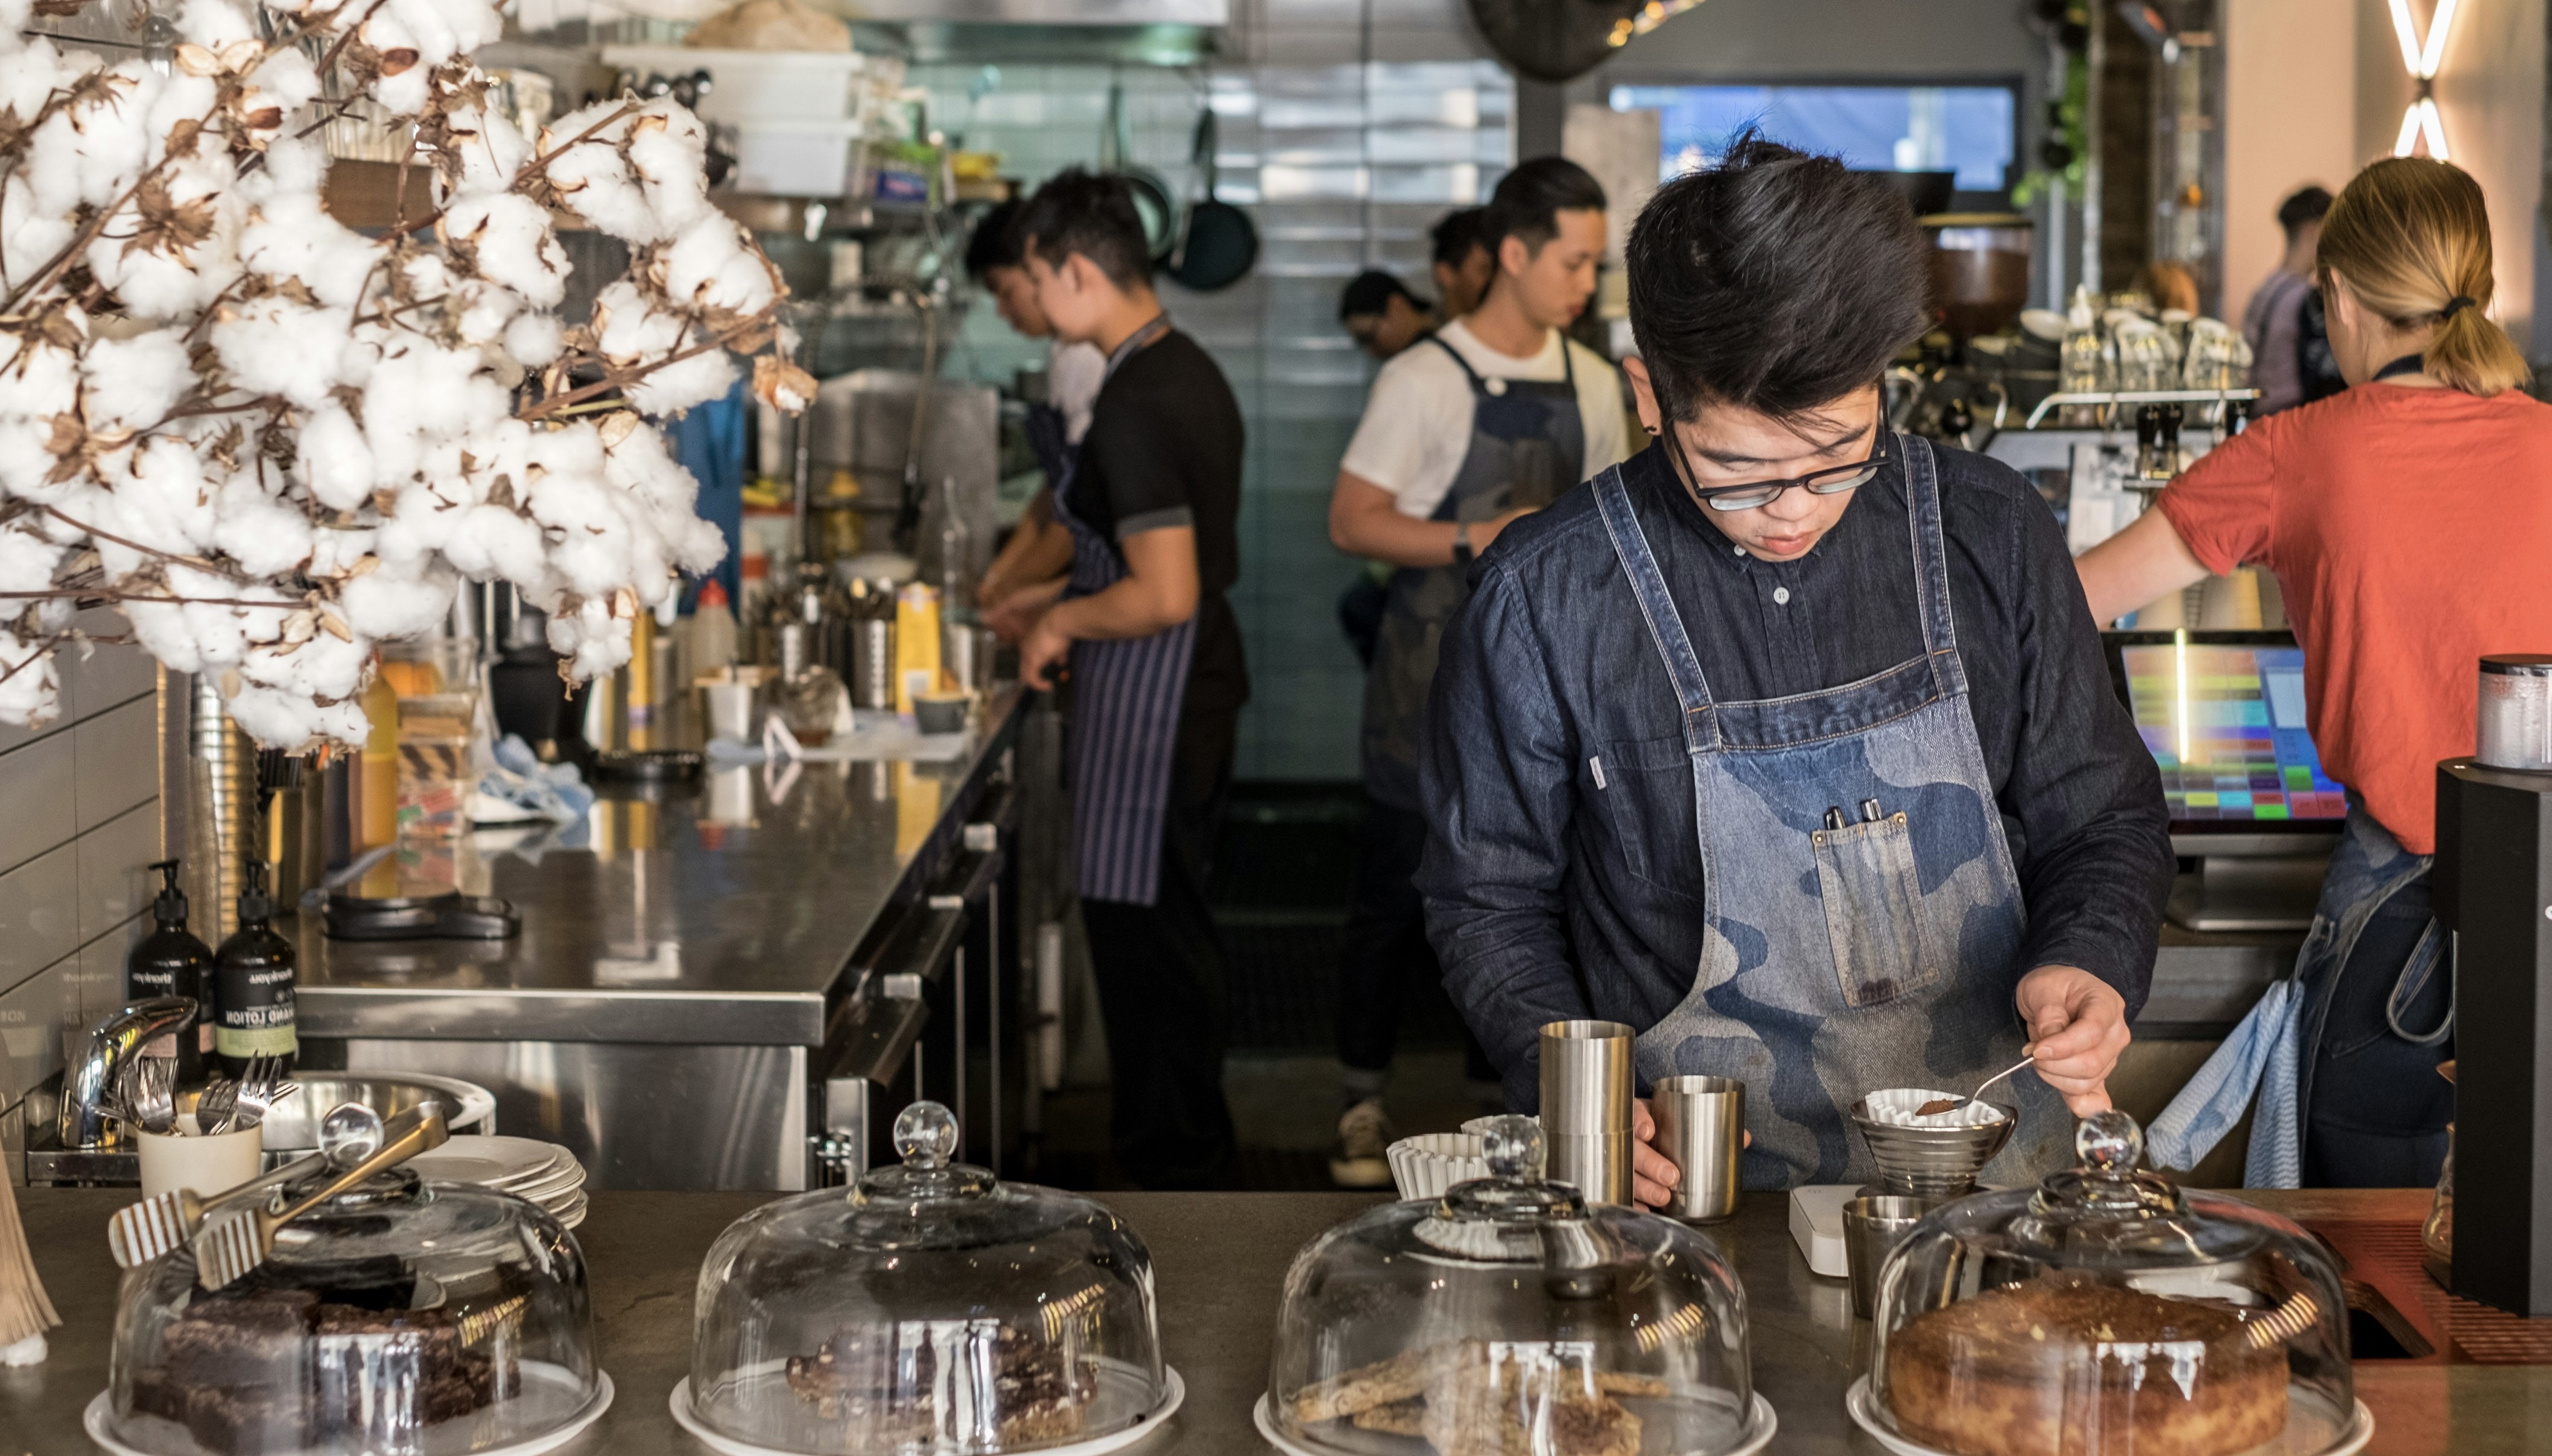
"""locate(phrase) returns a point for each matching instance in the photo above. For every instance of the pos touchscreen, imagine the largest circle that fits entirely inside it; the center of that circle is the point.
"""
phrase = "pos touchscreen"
(2223, 715)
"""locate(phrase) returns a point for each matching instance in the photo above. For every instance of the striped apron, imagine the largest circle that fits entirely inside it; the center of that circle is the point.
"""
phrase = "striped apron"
(1125, 715)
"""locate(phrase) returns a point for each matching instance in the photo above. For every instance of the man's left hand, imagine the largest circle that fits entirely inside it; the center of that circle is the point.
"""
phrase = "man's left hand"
(2078, 1026)
(1045, 648)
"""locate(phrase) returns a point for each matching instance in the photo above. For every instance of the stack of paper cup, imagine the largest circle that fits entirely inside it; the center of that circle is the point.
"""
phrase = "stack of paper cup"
(1428, 1166)
(1586, 1108)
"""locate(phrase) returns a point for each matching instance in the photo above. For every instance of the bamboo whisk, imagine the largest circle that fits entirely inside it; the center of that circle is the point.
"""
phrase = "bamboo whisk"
(25, 1312)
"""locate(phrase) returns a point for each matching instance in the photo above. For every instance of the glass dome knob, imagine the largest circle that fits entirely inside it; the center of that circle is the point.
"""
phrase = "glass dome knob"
(925, 1135)
(2109, 1142)
(1513, 1149)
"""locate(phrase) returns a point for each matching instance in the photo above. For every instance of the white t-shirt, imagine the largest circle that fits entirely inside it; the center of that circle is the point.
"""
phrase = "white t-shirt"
(1417, 424)
(1073, 375)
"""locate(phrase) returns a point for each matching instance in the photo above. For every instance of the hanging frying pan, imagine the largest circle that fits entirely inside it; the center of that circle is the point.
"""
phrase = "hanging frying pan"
(1152, 201)
(1219, 244)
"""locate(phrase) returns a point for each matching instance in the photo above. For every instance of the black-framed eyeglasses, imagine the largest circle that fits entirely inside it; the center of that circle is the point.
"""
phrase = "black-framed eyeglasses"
(1833, 480)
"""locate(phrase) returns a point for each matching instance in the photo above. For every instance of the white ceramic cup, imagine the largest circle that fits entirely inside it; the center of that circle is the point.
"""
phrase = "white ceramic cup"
(730, 709)
(208, 1165)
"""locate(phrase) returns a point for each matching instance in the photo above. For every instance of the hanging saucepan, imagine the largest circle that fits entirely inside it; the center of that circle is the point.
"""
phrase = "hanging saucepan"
(1152, 201)
(1219, 244)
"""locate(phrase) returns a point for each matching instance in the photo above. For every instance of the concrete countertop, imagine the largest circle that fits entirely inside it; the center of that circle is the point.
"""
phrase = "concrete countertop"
(1220, 1259)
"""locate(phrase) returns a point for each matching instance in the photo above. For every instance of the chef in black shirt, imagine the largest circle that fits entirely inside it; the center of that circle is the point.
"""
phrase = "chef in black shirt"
(1142, 633)
(1790, 741)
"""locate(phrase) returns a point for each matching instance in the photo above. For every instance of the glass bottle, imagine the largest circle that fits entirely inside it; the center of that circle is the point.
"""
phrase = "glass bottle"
(172, 961)
(254, 977)
(809, 695)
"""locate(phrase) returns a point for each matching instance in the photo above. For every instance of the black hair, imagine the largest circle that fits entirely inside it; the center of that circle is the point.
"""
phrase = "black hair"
(1529, 201)
(1371, 291)
(995, 243)
(1456, 234)
(1083, 212)
(2307, 205)
(1774, 280)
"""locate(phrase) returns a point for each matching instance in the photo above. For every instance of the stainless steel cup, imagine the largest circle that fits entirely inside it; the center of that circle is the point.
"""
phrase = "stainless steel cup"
(1872, 1227)
(1599, 1167)
(1701, 1128)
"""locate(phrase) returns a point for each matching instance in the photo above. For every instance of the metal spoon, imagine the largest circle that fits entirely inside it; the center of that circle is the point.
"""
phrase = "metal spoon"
(349, 1134)
(1938, 1105)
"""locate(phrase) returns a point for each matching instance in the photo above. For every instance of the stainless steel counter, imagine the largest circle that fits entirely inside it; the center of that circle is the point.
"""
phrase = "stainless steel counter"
(726, 914)
(1220, 1259)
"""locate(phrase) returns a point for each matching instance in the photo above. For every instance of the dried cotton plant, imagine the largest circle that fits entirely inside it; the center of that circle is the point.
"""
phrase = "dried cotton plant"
(274, 442)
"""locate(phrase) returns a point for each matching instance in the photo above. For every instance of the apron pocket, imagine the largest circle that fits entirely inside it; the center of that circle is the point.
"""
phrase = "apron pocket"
(1874, 910)
(1646, 805)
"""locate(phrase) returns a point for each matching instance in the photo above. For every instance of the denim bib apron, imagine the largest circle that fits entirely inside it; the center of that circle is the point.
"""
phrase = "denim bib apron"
(1125, 719)
(1527, 445)
(1841, 961)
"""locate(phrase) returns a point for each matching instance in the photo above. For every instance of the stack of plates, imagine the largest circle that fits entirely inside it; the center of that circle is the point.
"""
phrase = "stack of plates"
(542, 1173)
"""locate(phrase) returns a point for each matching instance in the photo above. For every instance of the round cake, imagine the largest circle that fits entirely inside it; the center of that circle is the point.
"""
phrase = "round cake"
(2071, 1368)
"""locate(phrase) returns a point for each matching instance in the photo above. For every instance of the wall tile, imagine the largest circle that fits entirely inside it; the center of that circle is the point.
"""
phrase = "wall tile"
(36, 797)
(97, 979)
(117, 759)
(39, 914)
(113, 869)
(34, 1021)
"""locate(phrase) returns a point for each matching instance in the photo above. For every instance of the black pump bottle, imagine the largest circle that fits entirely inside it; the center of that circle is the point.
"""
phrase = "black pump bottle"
(254, 979)
(173, 962)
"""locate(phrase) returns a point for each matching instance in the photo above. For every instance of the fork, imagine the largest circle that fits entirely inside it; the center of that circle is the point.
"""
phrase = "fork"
(146, 1093)
(258, 1097)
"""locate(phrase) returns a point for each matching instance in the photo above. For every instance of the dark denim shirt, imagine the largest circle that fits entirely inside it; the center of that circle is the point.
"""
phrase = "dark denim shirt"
(1547, 901)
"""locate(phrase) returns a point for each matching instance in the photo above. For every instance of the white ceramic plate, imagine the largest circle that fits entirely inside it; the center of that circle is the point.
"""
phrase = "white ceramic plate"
(1173, 1392)
(505, 1163)
(101, 1413)
(1864, 1414)
(1761, 1423)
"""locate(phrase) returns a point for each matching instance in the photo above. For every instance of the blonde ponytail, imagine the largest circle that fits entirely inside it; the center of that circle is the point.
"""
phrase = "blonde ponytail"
(2409, 237)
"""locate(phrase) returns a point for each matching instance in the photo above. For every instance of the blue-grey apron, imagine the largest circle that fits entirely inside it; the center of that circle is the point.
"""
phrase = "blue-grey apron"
(1840, 962)
(1527, 445)
(1123, 724)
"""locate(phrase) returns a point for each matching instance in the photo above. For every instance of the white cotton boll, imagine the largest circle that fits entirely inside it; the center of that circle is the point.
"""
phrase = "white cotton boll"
(434, 37)
(285, 720)
(31, 236)
(669, 149)
(13, 24)
(482, 313)
(214, 24)
(32, 693)
(286, 79)
(161, 628)
(37, 379)
(627, 327)
(335, 551)
(535, 339)
(275, 346)
(266, 537)
(294, 237)
(336, 461)
(36, 71)
(699, 546)
(133, 383)
(325, 666)
(492, 541)
(509, 236)
(489, 149)
(589, 536)
(389, 604)
(25, 460)
(677, 386)
(54, 168)
(643, 466)
(594, 640)
(27, 561)
(713, 265)
(161, 499)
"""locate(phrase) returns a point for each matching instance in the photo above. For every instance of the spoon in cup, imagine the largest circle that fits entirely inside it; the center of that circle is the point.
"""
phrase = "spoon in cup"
(1938, 1106)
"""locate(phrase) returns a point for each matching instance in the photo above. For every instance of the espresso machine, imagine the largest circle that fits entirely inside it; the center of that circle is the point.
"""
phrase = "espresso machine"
(2493, 887)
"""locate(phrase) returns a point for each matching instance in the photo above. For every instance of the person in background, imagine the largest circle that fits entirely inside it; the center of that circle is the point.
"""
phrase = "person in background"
(1382, 315)
(1790, 741)
(2272, 324)
(1464, 261)
(1142, 629)
(1039, 549)
(2170, 286)
(2407, 527)
(1493, 416)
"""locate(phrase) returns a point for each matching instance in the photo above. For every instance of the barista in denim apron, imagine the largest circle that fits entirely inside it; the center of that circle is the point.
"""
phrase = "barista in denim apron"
(1894, 943)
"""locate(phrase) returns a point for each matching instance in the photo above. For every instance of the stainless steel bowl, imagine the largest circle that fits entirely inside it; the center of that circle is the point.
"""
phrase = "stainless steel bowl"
(1931, 1162)
(292, 1124)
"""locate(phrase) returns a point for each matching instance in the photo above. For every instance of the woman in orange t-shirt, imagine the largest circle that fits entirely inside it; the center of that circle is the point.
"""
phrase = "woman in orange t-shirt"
(2406, 521)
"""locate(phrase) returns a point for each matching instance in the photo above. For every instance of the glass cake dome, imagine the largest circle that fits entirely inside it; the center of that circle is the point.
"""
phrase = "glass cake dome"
(400, 1319)
(1509, 1317)
(2106, 1312)
(931, 1309)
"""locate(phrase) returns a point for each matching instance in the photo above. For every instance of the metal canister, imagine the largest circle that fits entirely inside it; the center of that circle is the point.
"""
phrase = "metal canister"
(873, 654)
(2514, 730)
(1586, 1107)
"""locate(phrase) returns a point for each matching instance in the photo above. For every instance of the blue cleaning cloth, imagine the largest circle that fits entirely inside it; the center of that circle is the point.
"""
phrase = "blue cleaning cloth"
(710, 441)
(2259, 1056)
(555, 791)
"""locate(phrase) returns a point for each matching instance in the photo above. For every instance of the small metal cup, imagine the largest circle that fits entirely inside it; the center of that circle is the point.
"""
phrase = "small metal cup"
(1586, 1080)
(1599, 1167)
(1701, 1128)
(1872, 1227)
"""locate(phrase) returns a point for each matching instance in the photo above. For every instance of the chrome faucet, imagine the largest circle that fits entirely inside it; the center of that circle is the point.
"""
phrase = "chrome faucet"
(88, 1119)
